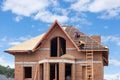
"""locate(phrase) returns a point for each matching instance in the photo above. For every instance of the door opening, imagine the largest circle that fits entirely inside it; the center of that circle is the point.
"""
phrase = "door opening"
(68, 71)
(54, 71)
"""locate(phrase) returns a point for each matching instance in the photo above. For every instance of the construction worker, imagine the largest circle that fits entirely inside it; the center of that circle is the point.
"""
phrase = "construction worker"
(77, 35)
(81, 44)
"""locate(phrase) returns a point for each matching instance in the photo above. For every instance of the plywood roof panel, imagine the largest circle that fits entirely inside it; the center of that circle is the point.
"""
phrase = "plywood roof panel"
(27, 45)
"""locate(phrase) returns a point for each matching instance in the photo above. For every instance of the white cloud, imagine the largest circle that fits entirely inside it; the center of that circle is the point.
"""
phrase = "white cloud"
(13, 43)
(4, 38)
(18, 18)
(108, 8)
(6, 63)
(115, 76)
(80, 20)
(69, 0)
(115, 13)
(61, 11)
(5, 41)
(47, 16)
(1, 60)
(114, 39)
(54, 2)
(49, 10)
(114, 62)
(24, 38)
(24, 7)
(112, 76)
(102, 5)
(36, 9)
(18, 40)
(81, 5)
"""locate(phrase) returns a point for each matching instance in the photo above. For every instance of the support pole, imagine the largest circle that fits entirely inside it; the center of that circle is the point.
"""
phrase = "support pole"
(55, 71)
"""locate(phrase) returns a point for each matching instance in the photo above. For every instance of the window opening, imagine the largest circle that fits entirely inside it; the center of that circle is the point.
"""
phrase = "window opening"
(54, 47)
(58, 47)
(28, 72)
(62, 46)
(42, 71)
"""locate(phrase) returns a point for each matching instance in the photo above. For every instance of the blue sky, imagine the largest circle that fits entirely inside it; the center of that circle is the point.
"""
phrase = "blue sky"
(21, 20)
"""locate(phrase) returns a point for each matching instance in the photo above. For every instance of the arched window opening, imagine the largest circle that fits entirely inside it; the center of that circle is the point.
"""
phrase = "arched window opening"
(58, 47)
(54, 47)
(62, 46)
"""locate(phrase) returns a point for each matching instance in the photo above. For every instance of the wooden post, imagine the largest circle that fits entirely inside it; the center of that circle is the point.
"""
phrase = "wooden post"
(46, 71)
(58, 46)
(36, 72)
(55, 71)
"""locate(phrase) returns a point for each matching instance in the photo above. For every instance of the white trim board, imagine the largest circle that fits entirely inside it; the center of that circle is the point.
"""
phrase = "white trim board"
(65, 61)
(56, 61)
(49, 49)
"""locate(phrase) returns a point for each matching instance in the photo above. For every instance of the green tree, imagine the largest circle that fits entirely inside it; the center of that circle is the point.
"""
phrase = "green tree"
(7, 71)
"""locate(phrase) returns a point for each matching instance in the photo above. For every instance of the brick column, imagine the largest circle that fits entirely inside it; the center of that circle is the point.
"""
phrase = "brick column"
(98, 75)
(78, 72)
(19, 72)
(46, 71)
(61, 71)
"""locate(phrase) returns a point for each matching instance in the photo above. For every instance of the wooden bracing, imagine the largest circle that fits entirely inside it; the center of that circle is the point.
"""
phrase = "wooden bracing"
(36, 77)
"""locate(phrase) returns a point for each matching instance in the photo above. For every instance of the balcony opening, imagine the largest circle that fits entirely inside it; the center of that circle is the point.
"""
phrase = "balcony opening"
(68, 71)
(54, 71)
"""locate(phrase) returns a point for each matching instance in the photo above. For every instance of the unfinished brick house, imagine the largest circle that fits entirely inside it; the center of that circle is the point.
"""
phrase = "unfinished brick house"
(62, 53)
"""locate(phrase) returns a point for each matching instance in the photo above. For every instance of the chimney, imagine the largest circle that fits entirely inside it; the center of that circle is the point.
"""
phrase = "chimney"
(96, 38)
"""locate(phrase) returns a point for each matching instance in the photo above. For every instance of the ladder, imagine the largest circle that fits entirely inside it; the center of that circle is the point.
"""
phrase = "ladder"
(89, 62)
(89, 57)
(89, 65)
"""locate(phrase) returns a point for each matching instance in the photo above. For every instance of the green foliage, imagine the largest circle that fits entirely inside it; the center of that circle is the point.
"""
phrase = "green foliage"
(7, 71)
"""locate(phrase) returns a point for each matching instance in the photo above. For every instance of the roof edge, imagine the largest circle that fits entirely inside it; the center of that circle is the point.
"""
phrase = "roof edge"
(53, 25)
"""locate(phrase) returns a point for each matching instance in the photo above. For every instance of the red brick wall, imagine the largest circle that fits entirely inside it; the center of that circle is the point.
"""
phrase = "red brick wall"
(61, 71)
(98, 71)
(19, 72)
(77, 70)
